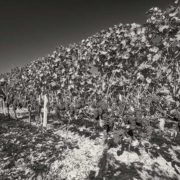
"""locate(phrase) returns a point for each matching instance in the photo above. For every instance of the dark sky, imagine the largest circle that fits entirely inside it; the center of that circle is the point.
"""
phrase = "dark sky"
(30, 29)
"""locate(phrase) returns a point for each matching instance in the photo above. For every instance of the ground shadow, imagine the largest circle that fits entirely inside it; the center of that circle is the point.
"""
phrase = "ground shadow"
(111, 169)
(27, 146)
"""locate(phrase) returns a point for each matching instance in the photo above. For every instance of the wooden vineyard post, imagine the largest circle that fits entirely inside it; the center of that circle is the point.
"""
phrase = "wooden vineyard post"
(40, 110)
(4, 108)
(30, 116)
(29, 112)
(1, 105)
(3, 93)
(45, 111)
(8, 112)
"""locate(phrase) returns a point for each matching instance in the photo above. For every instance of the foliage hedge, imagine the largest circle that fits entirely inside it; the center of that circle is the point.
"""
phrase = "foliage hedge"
(120, 71)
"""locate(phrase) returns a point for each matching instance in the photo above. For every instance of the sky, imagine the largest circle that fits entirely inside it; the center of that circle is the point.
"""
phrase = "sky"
(30, 29)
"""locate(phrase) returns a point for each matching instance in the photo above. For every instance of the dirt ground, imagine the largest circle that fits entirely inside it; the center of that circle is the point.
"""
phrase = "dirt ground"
(80, 153)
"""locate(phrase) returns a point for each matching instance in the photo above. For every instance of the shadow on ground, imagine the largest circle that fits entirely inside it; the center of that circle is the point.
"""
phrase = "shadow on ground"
(27, 151)
(112, 169)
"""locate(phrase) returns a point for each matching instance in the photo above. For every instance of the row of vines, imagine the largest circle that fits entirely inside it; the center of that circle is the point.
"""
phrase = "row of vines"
(127, 74)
